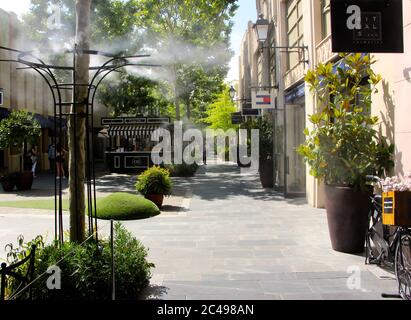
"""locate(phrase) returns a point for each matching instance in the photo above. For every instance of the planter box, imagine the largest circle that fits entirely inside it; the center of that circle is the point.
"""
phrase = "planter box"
(396, 208)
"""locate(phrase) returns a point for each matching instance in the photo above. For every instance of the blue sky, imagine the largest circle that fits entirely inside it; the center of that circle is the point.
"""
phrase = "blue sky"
(246, 12)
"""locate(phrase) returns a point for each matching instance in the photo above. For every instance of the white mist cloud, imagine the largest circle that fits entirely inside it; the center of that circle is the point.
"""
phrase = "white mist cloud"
(18, 7)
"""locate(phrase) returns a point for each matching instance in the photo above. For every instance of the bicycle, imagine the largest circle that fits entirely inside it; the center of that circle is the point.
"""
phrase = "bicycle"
(384, 248)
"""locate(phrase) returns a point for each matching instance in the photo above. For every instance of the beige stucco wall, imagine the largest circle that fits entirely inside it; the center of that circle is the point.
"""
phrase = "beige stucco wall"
(25, 89)
(392, 103)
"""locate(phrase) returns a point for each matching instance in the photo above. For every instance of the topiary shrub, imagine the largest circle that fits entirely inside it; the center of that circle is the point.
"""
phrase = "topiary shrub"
(153, 181)
(86, 269)
(125, 206)
(183, 170)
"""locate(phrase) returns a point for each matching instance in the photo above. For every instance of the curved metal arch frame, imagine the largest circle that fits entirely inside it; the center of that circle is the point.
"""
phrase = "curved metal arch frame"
(101, 72)
(104, 70)
(58, 212)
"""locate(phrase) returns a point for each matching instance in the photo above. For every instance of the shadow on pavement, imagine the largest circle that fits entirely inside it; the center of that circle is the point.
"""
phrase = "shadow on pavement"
(154, 292)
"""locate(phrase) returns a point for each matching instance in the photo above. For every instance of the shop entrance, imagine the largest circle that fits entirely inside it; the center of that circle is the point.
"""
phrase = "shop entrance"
(295, 170)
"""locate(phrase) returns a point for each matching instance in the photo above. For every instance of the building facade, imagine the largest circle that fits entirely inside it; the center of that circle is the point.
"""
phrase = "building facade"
(26, 89)
(299, 38)
(22, 89)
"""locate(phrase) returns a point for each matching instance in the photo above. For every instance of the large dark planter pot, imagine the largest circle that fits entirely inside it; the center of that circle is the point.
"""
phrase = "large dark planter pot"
(8, 185)
(347, 215)
(24, 181)
(156, 198)
(267, 173)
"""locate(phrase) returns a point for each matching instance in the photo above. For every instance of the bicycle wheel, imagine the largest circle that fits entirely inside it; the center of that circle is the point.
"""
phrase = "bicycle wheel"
(376, 245)
(403, 266)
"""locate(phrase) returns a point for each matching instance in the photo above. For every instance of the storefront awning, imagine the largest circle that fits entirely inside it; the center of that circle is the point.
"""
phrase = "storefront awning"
(132, 131)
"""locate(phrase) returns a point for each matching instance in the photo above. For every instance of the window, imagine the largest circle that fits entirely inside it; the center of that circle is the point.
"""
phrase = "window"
(272, 62)
(294, 18)
(325, 18)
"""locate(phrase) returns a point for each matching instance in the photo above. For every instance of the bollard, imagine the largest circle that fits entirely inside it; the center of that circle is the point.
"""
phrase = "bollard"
(113, 277)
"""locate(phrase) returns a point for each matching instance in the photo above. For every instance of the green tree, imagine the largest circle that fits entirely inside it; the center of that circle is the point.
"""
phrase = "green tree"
(190, 25)
(18, 127)
(111, 20)
(219, 112)
(134, 95)
(199, 88)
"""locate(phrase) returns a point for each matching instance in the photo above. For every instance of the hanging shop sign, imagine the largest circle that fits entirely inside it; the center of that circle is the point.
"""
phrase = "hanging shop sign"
(237, 118)
(1, 96)
(251, 112)
(134, 120)
(262, 100)
(372, 26)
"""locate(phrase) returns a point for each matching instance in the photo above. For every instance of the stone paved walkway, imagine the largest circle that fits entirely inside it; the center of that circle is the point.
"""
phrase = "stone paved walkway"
(237, 241)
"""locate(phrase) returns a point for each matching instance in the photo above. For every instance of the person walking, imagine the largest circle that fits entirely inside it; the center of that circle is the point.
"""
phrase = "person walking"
(205, 151)
(52, 156)
(34, 160)
(60, 155)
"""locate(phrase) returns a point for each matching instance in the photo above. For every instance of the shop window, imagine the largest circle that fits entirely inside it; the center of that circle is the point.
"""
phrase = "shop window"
(295, 35)
(325, 18)
(272, 61)
(259, 69)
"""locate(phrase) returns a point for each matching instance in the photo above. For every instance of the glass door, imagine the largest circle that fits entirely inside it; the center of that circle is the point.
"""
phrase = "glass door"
(295, 170)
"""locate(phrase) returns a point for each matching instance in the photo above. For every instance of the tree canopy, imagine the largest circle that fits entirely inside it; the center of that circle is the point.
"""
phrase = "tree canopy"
(134, 95)
(219, 112)
(193, 35)
(189, 38)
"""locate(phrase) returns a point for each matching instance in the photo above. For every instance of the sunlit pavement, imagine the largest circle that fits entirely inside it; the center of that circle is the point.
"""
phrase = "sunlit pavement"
(233, 240)
(238, 241)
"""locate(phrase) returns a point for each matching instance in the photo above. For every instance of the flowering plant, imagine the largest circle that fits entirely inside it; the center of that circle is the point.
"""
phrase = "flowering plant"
(396, 183)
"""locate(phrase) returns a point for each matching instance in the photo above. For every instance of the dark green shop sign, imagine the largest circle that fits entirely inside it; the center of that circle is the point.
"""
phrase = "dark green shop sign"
(367, 26)
(237, 118)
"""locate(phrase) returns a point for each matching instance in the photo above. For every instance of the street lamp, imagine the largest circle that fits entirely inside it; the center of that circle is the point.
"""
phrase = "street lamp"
(232, 93)
(261, 26)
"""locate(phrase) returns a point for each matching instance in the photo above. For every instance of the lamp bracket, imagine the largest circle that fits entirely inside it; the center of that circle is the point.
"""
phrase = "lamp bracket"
(263, 87)
(301, 50)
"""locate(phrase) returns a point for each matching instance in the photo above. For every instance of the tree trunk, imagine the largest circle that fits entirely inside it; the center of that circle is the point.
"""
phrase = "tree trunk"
(188, 109)
(176, 102)
(77, 124)
(176, 94)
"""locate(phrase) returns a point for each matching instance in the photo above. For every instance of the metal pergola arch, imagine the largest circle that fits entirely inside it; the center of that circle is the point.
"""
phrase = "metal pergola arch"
(113, 64)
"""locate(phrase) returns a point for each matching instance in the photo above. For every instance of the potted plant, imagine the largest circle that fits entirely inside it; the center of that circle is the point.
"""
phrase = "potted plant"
(343, 146)
(8, 181)
(154, 184)
(266, 161)
(18, 127)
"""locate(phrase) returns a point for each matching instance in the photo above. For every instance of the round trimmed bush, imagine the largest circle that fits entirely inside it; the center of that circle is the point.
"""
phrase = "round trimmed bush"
(125, 206)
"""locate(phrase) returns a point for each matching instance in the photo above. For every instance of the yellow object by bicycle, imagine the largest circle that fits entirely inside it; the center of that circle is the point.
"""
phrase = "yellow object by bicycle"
(396, 208)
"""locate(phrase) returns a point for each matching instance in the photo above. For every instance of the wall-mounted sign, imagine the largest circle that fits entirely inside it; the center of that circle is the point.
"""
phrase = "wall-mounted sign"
(1, 97)
(367, 26)
(134, 120)
(262, 100)
(251, 112)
